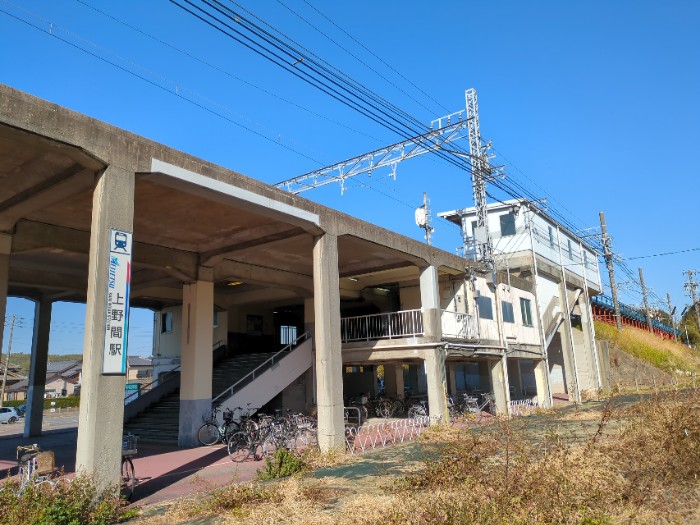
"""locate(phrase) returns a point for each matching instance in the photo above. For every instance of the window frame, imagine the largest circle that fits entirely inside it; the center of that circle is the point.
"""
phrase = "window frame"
(526, 319)
(510, 218)
(166, 322)
(507, 312)
(482, 311)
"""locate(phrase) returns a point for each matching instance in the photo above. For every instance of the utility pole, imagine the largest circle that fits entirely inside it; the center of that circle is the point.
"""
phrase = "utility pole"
(481, 172)
(423, 218)
(646, 301)
(611, 272)
(691, 287)
(671, 313)
(7, 363)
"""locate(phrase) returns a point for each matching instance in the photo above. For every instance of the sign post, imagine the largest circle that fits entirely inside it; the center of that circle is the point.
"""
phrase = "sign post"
(117, 311)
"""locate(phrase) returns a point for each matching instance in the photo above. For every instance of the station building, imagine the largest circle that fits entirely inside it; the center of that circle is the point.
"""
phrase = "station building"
(260, 296)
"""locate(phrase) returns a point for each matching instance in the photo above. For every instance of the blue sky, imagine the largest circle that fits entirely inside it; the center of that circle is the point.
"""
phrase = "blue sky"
(592, 105)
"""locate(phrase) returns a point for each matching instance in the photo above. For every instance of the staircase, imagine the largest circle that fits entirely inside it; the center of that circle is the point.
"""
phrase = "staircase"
(159, 423)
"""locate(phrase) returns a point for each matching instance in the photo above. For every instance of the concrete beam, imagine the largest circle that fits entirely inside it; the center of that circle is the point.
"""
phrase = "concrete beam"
(213, 257)
(61, 186)
(249, 273)
(33, 236)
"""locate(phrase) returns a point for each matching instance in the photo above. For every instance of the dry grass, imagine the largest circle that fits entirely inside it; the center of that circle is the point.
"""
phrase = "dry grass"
(638, 465)
(664, 354)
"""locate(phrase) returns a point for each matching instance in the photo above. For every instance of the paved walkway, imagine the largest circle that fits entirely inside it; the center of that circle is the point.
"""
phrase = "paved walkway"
(163, 472)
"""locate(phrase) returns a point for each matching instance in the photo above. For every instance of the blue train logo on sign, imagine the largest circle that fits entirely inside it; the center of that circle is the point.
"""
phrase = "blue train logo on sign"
(120, 241)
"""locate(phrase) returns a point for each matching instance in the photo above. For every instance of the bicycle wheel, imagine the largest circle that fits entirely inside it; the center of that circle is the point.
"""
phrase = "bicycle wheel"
(268, 447)
(128, 478)
(416, 411)
(208, 434)
(239, 446)
(230, 429)
(384, 409)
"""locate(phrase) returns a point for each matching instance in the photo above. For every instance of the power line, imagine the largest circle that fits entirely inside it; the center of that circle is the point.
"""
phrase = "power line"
(227, 73)
(663, 254)
(176, 93)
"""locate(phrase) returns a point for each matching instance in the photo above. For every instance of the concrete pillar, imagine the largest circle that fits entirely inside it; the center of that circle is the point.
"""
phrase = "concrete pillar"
(567, 346)
(499, 385)
(5, 249)
(515, 377)
(375, 381)
(329, 362)
(99, 447)
(309, 319)
(452, 381)
(393, 380)
(309, 316)
(310, 399)
(542, 383)
(196, 360)
(589, 339)
(37, 369)
(430, 302)
(437, 385)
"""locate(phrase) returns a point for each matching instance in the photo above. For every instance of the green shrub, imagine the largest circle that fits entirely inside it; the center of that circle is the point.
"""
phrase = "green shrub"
(67, 503)
(60, 402)
(283, 464)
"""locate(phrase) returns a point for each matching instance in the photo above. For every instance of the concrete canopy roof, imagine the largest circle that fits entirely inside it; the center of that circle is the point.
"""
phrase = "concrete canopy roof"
(192, 219)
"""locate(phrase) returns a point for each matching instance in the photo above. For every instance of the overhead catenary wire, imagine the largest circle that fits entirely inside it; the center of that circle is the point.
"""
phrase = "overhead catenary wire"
(226, 72)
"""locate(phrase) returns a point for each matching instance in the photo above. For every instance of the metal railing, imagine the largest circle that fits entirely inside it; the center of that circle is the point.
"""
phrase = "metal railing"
(458, 325)
(390, 325)
(380, 435)
(159, 380)
(149, 386)
(262, 367)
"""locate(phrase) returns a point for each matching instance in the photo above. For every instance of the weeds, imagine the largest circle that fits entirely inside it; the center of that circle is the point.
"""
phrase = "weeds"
(283, 464)
(74, 503)
(639, 465)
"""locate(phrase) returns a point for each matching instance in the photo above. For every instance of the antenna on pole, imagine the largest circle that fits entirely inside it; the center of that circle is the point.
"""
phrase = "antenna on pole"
(423, 218)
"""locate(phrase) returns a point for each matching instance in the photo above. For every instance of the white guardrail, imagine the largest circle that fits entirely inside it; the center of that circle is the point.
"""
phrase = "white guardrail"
(390, 325)
(380, 435)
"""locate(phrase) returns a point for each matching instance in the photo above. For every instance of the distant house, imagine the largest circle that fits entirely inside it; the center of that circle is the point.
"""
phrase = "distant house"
(139, 376)
(63, 378)
(13, 377)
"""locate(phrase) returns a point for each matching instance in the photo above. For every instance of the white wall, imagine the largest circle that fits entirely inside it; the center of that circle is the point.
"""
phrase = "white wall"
(169, 344)
(516, 332)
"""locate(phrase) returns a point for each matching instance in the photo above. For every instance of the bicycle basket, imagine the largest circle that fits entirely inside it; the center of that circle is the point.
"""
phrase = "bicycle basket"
(129, 445)
(45, 462)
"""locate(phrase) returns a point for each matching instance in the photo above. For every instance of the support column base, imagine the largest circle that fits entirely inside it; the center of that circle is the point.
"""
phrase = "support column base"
(192, 415)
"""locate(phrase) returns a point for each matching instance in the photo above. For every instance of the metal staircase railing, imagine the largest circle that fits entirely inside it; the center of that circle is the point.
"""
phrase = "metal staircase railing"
(262, 367)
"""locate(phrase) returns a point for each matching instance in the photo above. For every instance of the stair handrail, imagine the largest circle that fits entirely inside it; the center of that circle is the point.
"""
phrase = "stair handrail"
(265, 364)
(149, 386)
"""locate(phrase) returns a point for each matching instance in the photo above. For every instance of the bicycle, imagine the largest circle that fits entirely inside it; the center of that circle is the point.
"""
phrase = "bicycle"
(211, 433)
(417, 410)
(128, 481)
(475, 409)
(35, 467)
